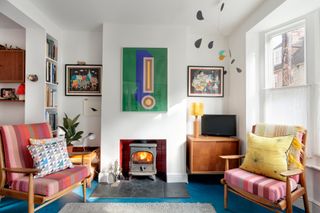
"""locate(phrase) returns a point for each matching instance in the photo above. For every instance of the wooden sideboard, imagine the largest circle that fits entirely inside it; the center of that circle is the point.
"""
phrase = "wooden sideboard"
(203, 154)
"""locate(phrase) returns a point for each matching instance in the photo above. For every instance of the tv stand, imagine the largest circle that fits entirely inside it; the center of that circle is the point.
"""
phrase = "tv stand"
(203, 153)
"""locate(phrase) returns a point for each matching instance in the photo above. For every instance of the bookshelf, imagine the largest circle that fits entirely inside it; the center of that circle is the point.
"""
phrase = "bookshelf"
(51, 83)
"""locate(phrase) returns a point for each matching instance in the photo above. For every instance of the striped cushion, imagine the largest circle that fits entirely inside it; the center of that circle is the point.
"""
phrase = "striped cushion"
(15, 139)
(262, 186)
(52, 183)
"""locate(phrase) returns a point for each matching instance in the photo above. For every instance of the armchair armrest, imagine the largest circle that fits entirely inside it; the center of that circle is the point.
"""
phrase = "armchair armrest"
(78, 153)
(290, 173)
(230, 157)
(22, 170)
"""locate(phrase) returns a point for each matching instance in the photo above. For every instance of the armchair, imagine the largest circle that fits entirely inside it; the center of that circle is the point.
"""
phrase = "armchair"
(17, 172)
(270, 193)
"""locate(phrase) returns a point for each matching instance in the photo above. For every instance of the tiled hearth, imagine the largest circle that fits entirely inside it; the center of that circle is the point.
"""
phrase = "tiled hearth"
(161, 158)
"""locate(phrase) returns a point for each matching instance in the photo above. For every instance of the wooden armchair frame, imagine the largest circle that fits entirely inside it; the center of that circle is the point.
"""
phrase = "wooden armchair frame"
(281, 205)
(30, 196)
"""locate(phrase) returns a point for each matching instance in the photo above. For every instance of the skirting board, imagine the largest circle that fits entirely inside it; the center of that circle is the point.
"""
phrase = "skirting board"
(177, 178)
(314, 205)
(171, 178)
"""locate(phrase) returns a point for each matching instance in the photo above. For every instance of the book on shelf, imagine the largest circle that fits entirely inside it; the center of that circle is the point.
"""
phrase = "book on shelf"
(52, 119)
(51, 72)
(51, 95)
(52, 49)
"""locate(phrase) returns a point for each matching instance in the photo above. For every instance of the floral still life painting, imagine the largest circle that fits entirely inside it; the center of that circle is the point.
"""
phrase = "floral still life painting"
(83, 80)
(205, 81)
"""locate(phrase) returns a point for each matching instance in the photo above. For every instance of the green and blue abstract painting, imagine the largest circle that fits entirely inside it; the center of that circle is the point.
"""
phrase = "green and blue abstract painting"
(144, 79)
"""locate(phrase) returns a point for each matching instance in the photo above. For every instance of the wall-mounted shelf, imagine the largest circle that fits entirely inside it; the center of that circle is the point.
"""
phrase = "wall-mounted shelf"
(7, 100)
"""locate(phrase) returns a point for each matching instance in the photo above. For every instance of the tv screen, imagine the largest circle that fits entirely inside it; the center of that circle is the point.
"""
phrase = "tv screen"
(218, 125)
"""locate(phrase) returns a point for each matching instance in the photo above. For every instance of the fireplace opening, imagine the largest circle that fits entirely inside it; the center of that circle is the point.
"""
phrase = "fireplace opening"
(142, 156)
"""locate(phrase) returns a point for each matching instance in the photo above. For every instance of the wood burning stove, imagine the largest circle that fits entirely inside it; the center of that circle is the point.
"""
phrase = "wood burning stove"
(143, 160)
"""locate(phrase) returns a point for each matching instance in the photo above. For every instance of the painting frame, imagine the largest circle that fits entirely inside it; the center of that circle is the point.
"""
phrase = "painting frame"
(83, 80)
(200, 75)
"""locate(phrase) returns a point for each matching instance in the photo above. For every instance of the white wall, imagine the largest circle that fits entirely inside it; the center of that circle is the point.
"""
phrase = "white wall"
(80, 46)
(36, 25)
(169, 125)
(204, 56)
(245, 44)
(12, 112)
(237, 43)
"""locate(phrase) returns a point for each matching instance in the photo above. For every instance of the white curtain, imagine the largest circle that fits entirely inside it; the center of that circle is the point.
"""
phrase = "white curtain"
(295, 106)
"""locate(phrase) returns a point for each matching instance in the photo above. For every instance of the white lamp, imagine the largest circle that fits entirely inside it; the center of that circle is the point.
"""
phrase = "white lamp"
(83, 142)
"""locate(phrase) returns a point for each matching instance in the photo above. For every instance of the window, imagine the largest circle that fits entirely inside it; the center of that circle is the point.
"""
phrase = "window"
(287, 96)
(285, 56)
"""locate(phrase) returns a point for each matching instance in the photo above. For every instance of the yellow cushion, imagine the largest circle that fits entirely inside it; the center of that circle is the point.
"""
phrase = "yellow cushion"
(267, 156)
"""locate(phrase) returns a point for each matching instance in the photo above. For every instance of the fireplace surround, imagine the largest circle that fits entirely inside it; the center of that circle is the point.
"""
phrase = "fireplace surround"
(160, 159)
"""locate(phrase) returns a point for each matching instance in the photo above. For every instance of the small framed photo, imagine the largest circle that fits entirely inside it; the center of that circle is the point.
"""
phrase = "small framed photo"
(83, 80)
(8, 93)
(205, 81)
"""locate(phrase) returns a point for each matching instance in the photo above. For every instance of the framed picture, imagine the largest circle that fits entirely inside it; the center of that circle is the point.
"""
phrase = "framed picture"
(83, 80)
(8, 93)
(205, 81)
(144, 79)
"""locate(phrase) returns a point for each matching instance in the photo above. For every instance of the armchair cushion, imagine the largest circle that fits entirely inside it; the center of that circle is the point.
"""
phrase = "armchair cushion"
(259, 185)
(15, 139)
(52, 183)
(50, 157)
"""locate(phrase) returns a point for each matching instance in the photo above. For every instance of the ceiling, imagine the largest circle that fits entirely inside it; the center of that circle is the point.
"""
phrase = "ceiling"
(7, 23)
(90, 14)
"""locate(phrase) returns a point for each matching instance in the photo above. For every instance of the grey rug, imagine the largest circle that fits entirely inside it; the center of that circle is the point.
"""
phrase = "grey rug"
(138, 208)
(142, 188)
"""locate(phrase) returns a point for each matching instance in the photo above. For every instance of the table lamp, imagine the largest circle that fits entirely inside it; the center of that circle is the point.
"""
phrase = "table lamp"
(21, 91)
(83, 141)
(196, 110)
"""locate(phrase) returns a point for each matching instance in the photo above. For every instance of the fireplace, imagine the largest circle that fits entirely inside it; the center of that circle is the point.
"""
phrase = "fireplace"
(159, 156)
(143, 160)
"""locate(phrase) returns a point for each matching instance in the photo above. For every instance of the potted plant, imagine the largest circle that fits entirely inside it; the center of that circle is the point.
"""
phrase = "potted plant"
(69, 127)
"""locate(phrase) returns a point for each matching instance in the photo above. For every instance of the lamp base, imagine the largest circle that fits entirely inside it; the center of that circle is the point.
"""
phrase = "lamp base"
(196, 128)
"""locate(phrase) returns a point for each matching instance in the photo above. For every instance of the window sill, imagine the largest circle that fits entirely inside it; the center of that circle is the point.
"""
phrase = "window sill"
(288, 87)
(312, 163)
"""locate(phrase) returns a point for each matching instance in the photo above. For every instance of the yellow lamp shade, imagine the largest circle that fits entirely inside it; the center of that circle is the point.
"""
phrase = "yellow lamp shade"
(196, 109)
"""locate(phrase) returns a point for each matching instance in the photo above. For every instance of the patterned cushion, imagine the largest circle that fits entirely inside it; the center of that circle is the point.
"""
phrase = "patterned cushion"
(262, 186)
(35, 141)
(15, 139)
(267, 156)
(50, 157)
(52, 183)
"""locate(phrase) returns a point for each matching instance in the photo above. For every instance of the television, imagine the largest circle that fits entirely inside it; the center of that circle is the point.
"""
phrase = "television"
(218, 125)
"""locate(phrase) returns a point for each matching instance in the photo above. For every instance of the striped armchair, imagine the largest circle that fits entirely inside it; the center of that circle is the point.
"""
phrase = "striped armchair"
(17, 172)
(267, 192)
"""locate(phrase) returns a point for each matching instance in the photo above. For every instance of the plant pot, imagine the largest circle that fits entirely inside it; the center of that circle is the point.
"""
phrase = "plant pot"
(69, 148)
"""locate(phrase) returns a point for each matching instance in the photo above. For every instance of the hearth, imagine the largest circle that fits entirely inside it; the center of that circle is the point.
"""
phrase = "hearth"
(143, 160)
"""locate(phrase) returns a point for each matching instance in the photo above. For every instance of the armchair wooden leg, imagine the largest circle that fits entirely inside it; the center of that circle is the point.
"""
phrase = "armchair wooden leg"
(84, 189)
(305, 196)
(31, 195)
(288, 196)
(225, 196)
